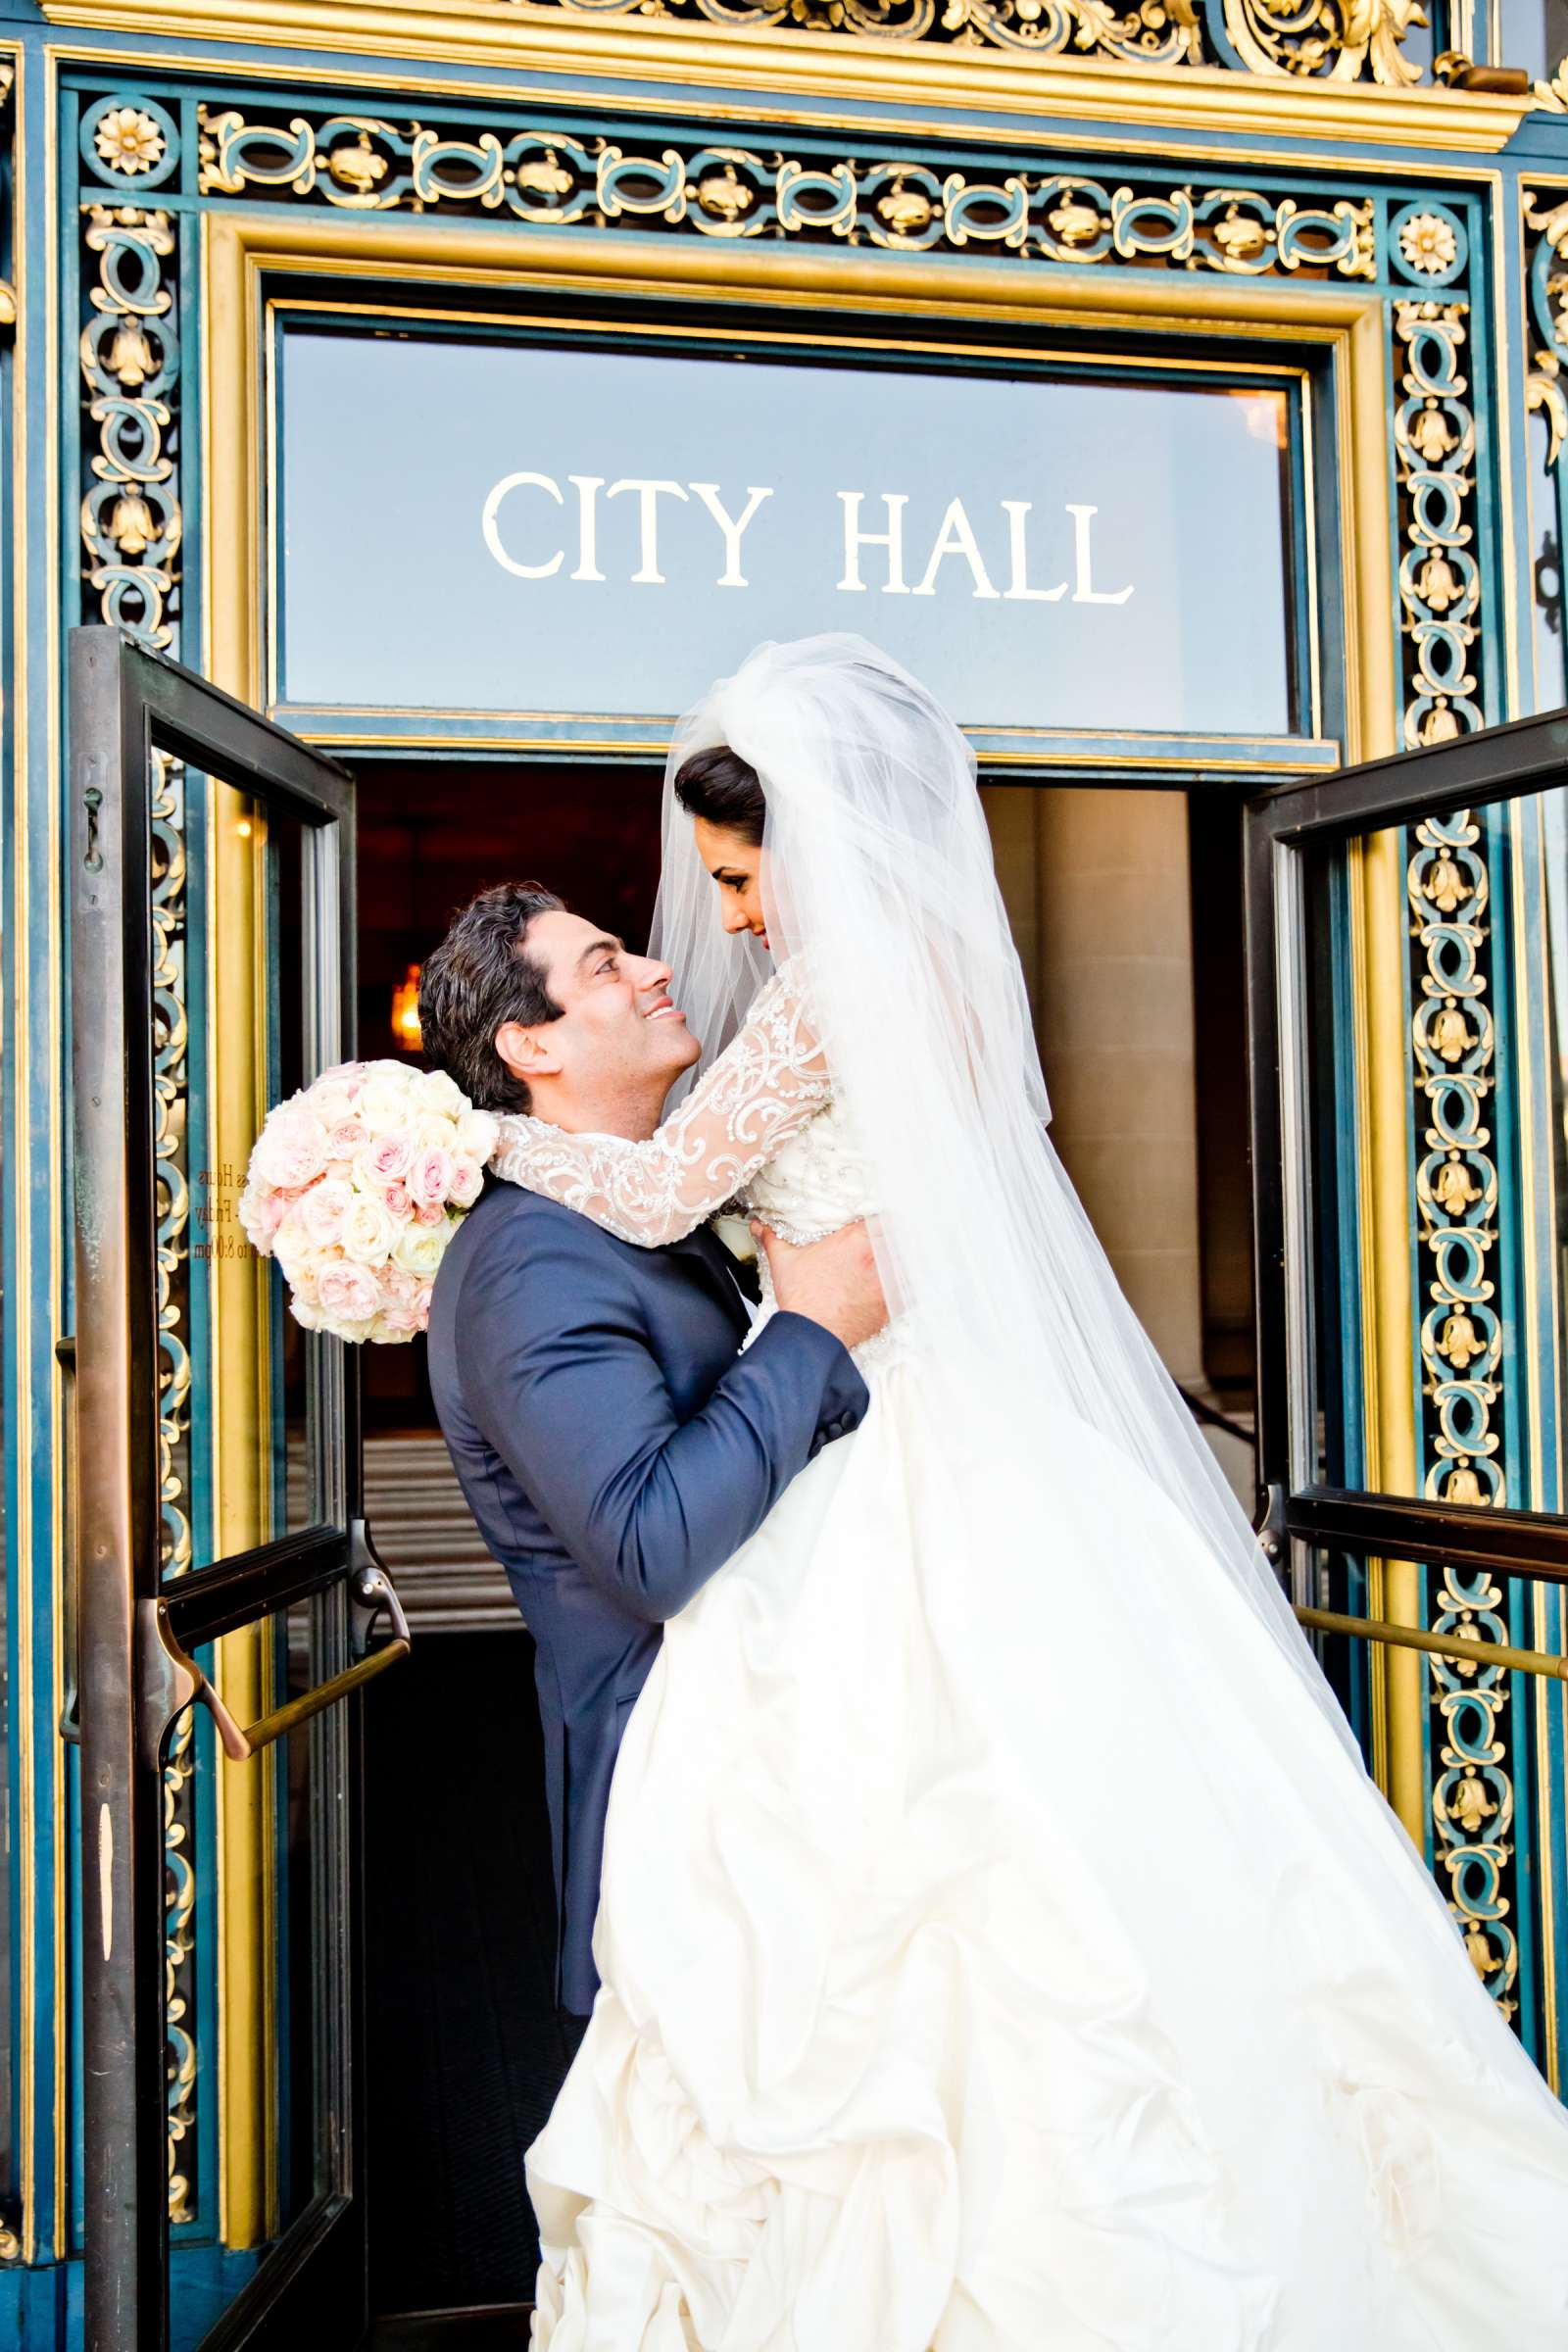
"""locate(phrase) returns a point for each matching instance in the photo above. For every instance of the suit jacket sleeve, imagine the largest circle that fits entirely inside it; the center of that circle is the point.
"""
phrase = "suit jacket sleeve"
(559, 1377)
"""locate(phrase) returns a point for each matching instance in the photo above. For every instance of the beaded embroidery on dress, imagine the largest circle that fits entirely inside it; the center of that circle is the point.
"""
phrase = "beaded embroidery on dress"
(761, 1132)
(759, 1095)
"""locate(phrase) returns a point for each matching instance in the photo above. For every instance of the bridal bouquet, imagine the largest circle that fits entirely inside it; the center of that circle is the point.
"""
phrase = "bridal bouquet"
(355, 1186)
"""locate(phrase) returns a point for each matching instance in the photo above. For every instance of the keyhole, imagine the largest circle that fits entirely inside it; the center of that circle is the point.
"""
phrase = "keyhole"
(92, 802)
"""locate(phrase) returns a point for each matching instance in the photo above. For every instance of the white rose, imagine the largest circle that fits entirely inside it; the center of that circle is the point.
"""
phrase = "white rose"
(389, 1097)
(476, 1135)
(330, 1101)
(292, 1245)
(443, 1096)
(419, 1249)
(368, 1232)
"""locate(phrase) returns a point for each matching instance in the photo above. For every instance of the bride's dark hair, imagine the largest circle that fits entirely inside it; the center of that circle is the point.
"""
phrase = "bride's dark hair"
(718, 786)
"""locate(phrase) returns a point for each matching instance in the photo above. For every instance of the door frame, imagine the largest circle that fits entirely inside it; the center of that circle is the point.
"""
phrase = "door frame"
(127, 706)
(1282, 824)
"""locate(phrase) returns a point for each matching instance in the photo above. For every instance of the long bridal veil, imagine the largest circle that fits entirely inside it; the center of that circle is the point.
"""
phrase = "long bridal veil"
(880, 877)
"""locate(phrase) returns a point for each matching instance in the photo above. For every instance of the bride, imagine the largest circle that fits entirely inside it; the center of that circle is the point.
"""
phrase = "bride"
(1001, 1943)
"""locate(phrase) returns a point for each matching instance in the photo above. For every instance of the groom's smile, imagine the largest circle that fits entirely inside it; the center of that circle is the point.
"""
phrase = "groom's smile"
(618, 1040)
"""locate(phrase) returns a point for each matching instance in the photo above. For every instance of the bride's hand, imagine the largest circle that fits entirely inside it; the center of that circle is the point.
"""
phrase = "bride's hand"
(833, 1282)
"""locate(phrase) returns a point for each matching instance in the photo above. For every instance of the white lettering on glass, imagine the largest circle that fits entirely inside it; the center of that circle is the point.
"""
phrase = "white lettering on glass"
(490, 523)
(1018, 512)
(648, 574)
(732, 576)
(892, 539)
(587, 487)
(955, 538)
(1083, 592)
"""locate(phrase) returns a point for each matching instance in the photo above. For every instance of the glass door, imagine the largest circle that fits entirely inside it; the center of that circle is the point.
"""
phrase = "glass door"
(227, 1591)
(1407, 943)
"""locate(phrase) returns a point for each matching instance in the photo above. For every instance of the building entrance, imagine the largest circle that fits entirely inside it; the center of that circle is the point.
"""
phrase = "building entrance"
(1126, 906)
(250, 1607)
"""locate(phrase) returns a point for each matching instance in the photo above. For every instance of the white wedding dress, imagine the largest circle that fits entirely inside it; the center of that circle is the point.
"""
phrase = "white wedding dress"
(1067, 1992)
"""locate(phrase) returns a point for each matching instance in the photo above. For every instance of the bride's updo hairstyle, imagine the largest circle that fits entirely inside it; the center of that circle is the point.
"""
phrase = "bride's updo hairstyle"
(724, 790)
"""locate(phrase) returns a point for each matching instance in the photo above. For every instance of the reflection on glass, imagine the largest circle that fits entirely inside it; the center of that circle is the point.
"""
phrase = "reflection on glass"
(613, 528)
(258, 1372)
(1545, 519)
(1439, 961)
(266, 2105)
(1531, 33)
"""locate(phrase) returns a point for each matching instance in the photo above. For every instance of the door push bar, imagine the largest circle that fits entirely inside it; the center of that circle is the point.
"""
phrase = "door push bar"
(1474, 1654)
(170, 1678)
(1467, 1651)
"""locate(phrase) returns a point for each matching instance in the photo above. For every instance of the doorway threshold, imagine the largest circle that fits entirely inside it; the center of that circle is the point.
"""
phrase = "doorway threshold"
(484, 2327)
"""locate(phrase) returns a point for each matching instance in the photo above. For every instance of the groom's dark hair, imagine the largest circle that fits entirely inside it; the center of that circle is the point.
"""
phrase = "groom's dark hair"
(480, 977)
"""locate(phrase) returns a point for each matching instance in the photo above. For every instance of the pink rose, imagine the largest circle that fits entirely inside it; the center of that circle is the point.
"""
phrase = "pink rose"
(324, 1207)
(348, 1294)
(261, 1210)
(468, 1182)
(396, 1196)
(349, 1136)
(291, 1151)
(430, 1177)
(430, 1213)
(386, 1160)
(405, 1320)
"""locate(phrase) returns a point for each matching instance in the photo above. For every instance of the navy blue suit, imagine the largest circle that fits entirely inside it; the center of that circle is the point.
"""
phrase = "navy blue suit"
(615, 1450)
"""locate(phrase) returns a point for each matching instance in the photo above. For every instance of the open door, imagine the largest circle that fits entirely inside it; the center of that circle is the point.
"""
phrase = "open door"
(225, 1589)
(1407, 928)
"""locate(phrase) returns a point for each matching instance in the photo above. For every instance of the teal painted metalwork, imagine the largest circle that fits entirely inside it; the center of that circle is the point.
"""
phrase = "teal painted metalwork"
(1420, 238)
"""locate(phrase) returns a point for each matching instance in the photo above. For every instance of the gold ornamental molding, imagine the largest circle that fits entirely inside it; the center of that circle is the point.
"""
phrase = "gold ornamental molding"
(857, 68)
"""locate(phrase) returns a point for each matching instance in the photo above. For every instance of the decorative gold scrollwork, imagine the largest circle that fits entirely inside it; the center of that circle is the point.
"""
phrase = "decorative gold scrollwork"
(1346, 40)
(1342, 40)
(1547, 227)
(1440, 581)
(1461, 1351)
(370, 163)
(131, 518)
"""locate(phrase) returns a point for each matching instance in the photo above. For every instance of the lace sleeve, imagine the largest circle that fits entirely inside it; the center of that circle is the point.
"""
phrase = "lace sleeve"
(759, 1091)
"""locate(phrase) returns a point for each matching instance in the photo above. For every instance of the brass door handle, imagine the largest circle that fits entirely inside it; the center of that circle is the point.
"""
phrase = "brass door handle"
(1478, 1655)
(171, 1679)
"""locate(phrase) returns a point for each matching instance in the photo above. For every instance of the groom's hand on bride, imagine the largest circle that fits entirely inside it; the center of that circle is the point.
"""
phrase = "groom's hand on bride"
(832, 1281)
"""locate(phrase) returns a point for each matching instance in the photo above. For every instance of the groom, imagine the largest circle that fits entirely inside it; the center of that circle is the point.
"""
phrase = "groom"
(614, 1445)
